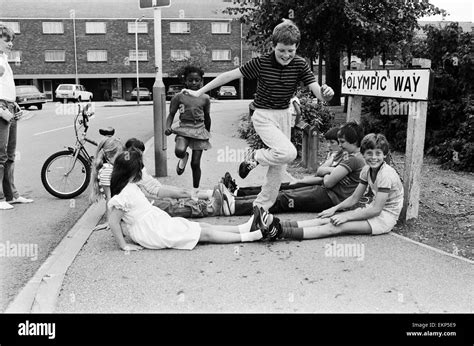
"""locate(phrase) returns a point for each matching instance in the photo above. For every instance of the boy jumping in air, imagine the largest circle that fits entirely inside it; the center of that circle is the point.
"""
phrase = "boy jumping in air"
(278, 74)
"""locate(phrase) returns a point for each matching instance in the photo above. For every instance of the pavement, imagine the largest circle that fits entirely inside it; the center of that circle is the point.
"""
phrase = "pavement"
(387, 273)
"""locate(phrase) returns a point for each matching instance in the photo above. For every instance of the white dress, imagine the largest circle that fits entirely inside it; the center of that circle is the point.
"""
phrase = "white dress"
(150, 226)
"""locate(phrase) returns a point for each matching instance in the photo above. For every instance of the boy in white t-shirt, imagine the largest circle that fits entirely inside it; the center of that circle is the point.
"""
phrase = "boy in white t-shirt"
(379, 217)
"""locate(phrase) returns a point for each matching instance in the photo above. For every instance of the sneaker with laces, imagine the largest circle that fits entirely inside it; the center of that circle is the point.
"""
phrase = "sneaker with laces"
(216, 202)
(228, 182)
(272, 229)
(275, 231)
(257, 223)
(228, 201)
(247, 165)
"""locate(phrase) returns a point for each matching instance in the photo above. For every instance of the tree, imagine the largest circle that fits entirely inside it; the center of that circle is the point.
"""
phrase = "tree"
(365, 27)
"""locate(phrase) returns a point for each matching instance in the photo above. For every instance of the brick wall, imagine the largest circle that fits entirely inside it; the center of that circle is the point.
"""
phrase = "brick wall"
(117, 41)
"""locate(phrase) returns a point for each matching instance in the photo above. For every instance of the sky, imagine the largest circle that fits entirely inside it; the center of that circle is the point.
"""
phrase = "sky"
(459, 10)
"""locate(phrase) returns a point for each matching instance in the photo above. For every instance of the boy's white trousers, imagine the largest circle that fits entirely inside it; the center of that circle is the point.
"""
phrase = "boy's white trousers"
(274, 128)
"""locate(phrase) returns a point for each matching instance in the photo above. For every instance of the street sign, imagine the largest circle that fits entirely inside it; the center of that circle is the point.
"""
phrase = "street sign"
(404, 84)
(154, 3)
(414, 84)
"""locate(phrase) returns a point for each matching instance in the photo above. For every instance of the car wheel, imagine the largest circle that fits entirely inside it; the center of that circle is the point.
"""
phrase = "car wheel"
(79, 99)
(90, 99)
(39, 106)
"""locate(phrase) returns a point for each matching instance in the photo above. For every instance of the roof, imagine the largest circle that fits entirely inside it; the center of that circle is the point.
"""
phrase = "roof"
(115, 9)
(465, 26)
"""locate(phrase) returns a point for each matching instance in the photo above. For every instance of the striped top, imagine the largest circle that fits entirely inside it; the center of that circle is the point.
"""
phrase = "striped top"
(276, 84)
(105, 174)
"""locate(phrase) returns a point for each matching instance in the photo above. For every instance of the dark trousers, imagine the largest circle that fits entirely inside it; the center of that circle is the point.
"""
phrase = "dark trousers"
(313, 198)
(255, 190)
(183, 207)
(8, 134)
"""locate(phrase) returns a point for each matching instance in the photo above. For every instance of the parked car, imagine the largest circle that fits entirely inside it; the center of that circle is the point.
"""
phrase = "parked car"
(73, 92)
(173, 90)
(29, 95)
(145, 94)
(227, 92)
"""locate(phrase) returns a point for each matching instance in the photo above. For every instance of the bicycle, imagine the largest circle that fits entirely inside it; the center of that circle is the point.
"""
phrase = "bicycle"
(67, 173)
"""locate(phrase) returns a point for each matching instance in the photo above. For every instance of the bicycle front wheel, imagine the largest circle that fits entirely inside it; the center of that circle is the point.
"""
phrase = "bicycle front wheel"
(64, 177)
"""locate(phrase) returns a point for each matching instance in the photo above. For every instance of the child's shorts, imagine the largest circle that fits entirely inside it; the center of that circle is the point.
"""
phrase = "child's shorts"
(383, 223)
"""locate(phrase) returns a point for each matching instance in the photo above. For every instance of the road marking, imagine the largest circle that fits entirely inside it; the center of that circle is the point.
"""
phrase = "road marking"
(69, 126)
(121, 115)
(53, 130)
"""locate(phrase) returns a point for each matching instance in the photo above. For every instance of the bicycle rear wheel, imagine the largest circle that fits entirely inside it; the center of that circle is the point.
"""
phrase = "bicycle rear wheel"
(64, 178)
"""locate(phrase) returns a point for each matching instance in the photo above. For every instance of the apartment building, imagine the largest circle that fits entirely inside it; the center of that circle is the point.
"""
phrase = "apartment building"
(57, 41)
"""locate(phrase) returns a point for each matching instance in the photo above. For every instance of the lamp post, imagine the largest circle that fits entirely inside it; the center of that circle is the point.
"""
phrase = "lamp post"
(136, 57)
(72, 14)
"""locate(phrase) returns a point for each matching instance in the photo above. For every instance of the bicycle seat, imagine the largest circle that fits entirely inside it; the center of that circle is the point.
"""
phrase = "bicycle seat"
(109, 131)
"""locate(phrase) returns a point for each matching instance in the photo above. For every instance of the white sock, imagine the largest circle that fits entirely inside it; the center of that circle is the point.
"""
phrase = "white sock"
(251, 236)
(245, 227)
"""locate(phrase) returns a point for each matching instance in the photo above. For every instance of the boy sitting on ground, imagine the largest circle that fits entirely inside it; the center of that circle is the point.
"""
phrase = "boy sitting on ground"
(379, 217)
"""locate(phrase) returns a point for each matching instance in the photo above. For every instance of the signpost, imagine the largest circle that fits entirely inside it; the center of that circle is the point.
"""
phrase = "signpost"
(159, 101)
(414, 85)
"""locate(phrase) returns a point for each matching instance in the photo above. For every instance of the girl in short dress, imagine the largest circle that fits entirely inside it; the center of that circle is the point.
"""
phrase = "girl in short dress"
(152, 228)
(194, 123)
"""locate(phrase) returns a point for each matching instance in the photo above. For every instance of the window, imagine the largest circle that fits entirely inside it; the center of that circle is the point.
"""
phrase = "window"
(180, 28)
(53, 28)
(221, 28)
(95, 27)
(14, 56)
(142, 55)
(96, 55)
(221, 55)
(142, 28)
(15, 26)
(180, 55)
(55, 55)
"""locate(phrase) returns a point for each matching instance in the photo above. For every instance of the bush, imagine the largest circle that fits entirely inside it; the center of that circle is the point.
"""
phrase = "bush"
(449, 126)
(315, 114)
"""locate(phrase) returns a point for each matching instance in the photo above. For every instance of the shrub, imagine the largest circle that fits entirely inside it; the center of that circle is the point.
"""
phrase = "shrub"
(449, 126)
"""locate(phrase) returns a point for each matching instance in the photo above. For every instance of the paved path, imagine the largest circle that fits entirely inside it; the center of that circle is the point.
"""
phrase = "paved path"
(388, 274)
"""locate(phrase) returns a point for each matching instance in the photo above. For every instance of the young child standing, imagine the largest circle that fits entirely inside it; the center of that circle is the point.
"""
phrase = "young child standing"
(152, 228)
(194, 123)
(277, 75)
(379, 217)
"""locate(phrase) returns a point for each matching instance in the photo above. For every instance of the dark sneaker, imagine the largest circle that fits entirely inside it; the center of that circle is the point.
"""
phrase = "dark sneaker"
(274, 230)
(247, 165)
(182, 164)
(257, 223)
(228, 182)
(271, 228)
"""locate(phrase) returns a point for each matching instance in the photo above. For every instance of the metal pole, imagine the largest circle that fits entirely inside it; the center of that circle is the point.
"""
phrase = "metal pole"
(159, 103)
(136, 59)
(73, 14)
(241, 82)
